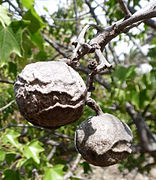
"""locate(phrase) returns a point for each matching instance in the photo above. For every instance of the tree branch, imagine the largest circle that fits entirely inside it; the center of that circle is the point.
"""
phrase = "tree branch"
(15, 8)
(51, 154)
(125, 8)
(22, 126)
(137, 45)
(92, 12)
(54, 45)
(148, 105)
(6, 106)
(75, 164)
(97, 77)
(112, 31)
(103, 37)
(115, 57)
(6, 81)
(149, 22)
(93, 105)
(35, 175)
(147, 138)
(57, 134)
(76, 17)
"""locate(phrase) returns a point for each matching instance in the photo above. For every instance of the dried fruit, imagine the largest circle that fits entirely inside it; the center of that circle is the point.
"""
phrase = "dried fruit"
(103, 140)
(50, 94)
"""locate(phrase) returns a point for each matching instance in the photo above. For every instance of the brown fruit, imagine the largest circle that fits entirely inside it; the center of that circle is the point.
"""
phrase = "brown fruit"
(103, 140)
(50, 94)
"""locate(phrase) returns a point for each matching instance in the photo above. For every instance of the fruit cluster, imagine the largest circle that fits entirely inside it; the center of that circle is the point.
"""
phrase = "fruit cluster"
(52, 94)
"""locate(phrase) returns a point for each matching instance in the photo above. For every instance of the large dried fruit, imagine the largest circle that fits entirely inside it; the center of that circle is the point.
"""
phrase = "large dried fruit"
(103, 140)
(50, 94)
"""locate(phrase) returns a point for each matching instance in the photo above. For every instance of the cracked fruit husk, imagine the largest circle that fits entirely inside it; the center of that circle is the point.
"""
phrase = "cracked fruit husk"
(50, 94)
(103, 140)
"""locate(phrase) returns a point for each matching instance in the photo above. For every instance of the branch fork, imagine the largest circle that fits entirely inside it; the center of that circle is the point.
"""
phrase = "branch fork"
(96, 66)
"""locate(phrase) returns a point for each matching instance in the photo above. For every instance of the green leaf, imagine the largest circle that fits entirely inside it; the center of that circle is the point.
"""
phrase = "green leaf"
(11, 137)
(130, 72)
(2, 155)
(37, 39)
(41, 55)
(36, 21)
(123, 73)
(10, 157)
(152, 52)
(120, 73)
(19, 28)
(86, 167)
(22, 24)
(13, 68)
(142, 98)
(4, 18)
(54, 173)
(8, 43)
(28, 3)
(27, 46)
(32, 150)
(135, 98)
(10, 174)
(45, 9)
(135, 2)
(21, 162)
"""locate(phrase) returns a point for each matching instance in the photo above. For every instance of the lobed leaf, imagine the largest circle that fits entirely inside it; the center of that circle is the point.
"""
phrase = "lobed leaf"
(8, 43)
(4, 18)
(32, 150)
(54, 173)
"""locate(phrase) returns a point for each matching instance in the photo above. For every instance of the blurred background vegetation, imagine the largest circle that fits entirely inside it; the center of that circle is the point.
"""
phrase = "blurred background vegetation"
(28, 35)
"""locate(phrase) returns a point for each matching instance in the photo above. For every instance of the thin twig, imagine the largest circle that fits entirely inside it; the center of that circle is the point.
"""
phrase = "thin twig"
(6, 81)
(137, 45)
(22, 126)
(54, 45)
(125, 8)
(82, 48)
(76, 17)
(92, 12)
(63, 136)
(6, 106)
(51, 154)
(147, 138)
(93, 104)
(115, 57)
(75, 164)
(52, 142)
(97, 77)
(80, 178)
(126, 30)
(103, 64)
(15, 8)
(37, 127)
(35, 175)
(149, 104)
(80, 17)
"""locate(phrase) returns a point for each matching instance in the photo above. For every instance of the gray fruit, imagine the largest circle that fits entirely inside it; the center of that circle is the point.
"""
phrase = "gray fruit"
(50, 94)
(103, 140)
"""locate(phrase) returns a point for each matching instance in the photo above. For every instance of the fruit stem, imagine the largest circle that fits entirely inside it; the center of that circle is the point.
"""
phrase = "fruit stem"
(93, 105)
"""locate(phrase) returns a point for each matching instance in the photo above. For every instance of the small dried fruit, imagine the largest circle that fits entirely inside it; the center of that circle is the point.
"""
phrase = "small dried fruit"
(103, 140)
(50, 94)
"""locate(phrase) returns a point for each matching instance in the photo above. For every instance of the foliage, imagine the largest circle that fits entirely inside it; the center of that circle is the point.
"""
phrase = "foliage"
(25, 150)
